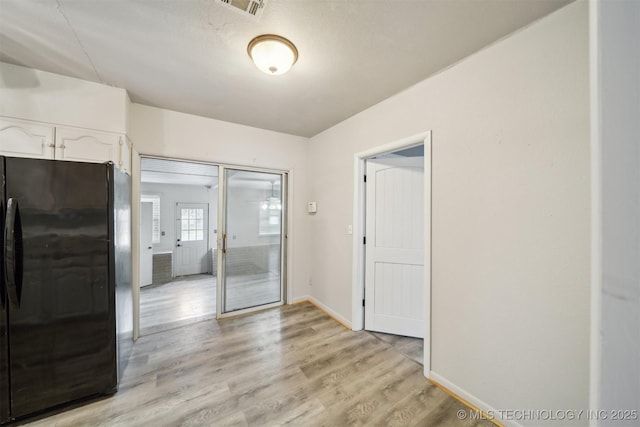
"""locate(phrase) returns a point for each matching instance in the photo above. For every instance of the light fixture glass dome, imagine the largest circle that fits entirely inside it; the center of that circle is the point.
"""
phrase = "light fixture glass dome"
(272, 54)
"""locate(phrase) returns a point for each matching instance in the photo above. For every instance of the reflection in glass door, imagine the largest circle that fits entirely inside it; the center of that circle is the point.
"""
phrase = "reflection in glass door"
(251, 259)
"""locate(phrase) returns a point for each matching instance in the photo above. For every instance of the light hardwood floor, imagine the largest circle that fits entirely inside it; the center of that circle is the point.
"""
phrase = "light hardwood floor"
(292, 365)
(190, 299)
(185, 300)
(413, 348)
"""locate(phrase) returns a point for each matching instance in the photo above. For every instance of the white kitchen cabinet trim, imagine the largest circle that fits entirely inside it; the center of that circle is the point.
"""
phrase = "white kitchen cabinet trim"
(124, 162)
(24, 138)
(82, 145)
(19, 138)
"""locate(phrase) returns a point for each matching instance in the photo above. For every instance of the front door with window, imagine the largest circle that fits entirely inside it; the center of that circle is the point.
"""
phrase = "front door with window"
(192, 239)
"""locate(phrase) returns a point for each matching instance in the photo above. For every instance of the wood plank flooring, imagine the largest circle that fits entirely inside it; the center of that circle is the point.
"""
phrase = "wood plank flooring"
(292, 365)
(251, 290)
(185, 300)
(413, 348)
(190, 299)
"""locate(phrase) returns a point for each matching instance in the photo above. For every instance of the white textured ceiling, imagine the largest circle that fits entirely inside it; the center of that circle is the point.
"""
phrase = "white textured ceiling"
(190, 55)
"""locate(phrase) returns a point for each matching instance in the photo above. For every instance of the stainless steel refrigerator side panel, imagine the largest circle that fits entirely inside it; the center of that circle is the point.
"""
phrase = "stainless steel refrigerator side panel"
(122, 258)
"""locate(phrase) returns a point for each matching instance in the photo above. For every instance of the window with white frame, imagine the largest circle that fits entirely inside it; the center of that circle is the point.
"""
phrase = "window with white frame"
(191, 224)
(154, 199)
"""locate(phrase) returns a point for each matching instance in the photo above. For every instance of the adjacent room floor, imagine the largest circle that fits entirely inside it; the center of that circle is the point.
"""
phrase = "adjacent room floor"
(191, 299)
(185, 300)
(413, 348)
(290, 365)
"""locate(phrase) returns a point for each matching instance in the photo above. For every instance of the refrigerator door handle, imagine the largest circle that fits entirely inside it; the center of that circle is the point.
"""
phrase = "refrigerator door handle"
(13, 253)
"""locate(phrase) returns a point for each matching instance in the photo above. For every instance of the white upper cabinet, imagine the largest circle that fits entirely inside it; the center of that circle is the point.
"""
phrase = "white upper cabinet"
(20, 138)
(81, 145)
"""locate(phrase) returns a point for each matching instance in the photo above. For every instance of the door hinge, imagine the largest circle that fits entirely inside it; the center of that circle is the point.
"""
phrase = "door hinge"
(365, 178)
(363, 302)
(364, 240)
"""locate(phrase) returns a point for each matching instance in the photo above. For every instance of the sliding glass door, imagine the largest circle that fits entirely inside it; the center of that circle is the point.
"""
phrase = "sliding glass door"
(251, 246)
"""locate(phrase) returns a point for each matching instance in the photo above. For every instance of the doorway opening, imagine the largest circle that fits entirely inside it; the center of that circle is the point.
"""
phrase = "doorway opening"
(178, 234)
(212, 241)
(392, 244)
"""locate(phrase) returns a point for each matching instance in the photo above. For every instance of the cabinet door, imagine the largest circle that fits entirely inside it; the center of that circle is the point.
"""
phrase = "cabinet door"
(124, 164)
(82, 145)
(25, 139)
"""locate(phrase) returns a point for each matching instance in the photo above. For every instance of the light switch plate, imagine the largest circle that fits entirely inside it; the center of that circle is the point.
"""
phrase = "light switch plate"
(312, 207)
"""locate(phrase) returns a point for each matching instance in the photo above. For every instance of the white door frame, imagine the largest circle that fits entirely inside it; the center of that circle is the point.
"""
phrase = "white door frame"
(357, 310)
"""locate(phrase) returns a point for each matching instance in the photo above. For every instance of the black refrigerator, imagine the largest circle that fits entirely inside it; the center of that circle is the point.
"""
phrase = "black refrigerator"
(66, 321)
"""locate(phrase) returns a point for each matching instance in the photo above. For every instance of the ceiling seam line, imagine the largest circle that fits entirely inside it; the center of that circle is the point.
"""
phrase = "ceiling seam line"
(59, 9)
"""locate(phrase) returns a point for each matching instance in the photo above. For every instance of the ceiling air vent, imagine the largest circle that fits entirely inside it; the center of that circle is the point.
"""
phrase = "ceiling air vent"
(251, 7)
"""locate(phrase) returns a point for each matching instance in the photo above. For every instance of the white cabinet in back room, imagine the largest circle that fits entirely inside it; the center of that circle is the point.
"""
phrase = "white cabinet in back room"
(23, 138)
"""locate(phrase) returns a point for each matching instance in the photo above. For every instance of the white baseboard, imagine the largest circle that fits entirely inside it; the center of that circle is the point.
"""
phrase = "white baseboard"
(303, 298)
(322, 306)
(473, 400)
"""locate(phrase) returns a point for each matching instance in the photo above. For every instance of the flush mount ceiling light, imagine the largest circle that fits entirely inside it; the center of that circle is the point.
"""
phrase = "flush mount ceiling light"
(272, 54)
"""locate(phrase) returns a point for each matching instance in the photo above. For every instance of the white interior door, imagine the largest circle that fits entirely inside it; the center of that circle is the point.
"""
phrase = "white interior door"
(192, 237)
(146, 243)
(394, 276)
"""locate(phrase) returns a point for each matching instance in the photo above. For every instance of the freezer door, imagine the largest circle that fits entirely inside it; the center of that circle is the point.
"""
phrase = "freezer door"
(62, 328)
(4, 312)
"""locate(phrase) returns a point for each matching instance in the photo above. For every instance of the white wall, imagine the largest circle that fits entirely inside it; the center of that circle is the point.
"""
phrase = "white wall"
(616, 139)
(37, 95)
(510, 216)
(166, 133)
(170, 194)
